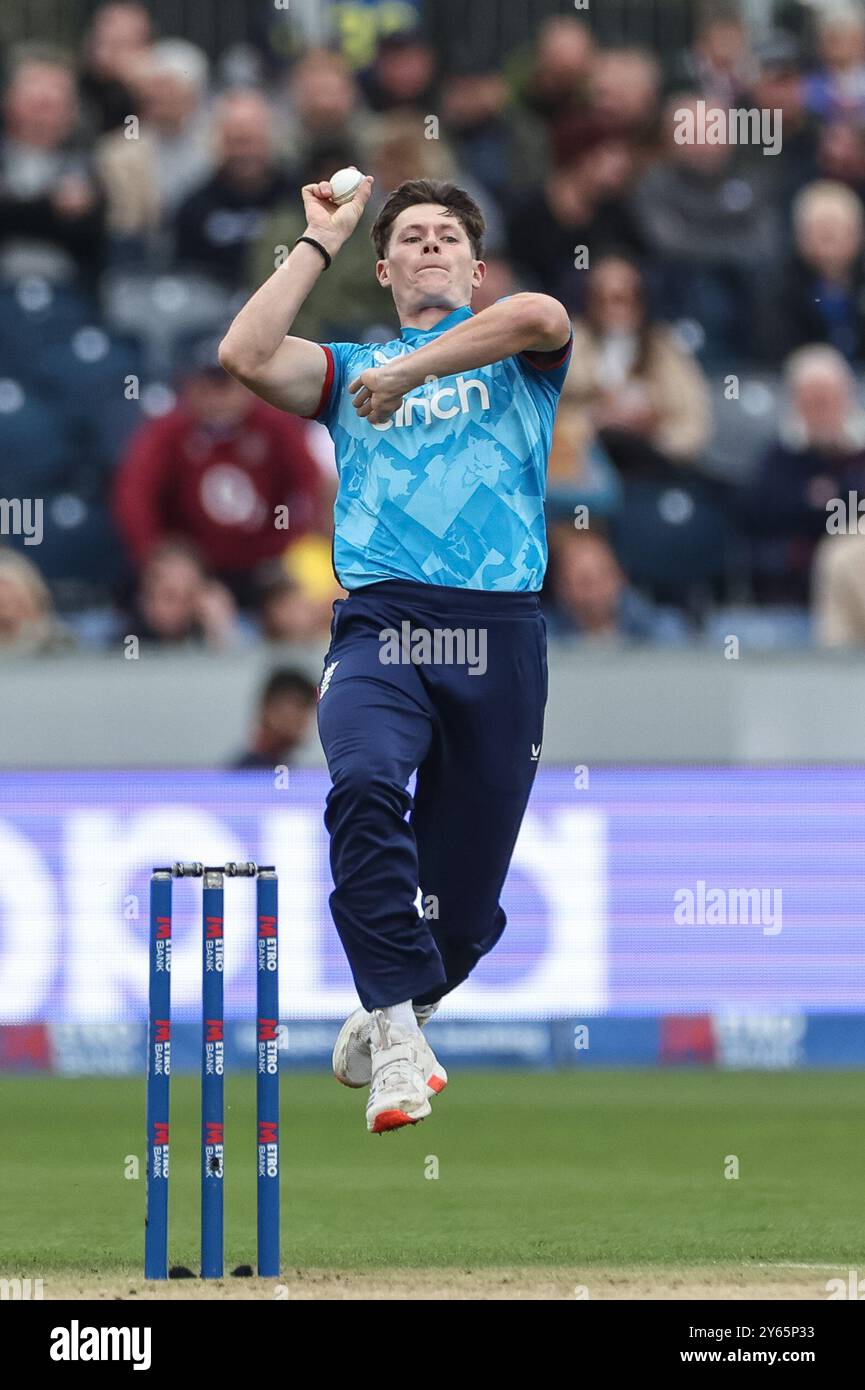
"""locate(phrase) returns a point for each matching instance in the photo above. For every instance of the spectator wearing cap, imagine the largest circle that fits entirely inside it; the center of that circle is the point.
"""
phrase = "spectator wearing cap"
(778, 85)
(223, 471)
(402, 75)
(588, 596)
(177, 604)
(51, 206)
(284, 721)
(584, 204)
(28, 624)
(502, 146)
(719, 63)
(148, 178)
(822, 297)
(819, 455)
(217, 224)
(632, 379)
(711, 233)
(117, 38)
(837, 88)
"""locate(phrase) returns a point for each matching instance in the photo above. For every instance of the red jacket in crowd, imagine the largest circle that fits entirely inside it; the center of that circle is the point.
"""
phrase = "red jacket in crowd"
(219, 488)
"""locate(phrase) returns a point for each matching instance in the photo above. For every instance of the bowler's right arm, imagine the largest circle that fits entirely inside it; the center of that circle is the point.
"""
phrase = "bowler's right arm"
(257, 349)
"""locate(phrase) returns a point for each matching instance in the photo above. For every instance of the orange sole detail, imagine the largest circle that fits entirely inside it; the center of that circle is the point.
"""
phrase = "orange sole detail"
(436, 1084)
(391, 1119)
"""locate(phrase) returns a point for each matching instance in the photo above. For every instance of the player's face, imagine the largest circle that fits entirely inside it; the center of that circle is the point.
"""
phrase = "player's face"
(429, 260)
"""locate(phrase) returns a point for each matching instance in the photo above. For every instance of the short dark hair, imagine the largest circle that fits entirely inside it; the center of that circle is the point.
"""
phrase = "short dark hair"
(446, 195)
(288, 681)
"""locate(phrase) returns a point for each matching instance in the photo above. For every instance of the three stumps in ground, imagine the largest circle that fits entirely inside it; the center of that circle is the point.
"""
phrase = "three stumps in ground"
(213, 1069)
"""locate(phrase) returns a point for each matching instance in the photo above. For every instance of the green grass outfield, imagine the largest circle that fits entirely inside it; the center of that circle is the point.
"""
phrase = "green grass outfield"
(614, 1168)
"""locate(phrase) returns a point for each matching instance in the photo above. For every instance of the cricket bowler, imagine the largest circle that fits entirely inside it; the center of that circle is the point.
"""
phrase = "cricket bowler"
(437, 661)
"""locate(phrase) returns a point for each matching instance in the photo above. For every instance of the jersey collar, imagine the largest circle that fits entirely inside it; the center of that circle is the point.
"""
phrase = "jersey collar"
(410, 335)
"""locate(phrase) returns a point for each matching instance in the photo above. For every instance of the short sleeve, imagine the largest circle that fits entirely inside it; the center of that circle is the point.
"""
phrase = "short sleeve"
(552, 367)
(336, 355)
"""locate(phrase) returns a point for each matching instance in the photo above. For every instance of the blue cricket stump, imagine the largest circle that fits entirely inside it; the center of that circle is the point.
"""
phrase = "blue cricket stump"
(267, 1079)
(212, 1077)
(158, 1077)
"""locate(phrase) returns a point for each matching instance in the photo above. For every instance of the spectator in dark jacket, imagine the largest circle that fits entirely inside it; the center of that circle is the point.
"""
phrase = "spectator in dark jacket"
(217, 224)
(819, 456)
(502, 146)
(51, 207)
(779, 85)
(117, 39)
(822, 299)
(284, 720)
(402, 75)
(580, 205)
(712, 234)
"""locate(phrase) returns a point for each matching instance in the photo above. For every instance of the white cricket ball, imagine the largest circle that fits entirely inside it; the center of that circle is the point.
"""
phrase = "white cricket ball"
(345, 184)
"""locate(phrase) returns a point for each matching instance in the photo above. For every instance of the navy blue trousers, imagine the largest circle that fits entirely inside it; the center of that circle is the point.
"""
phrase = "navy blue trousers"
(474, 741)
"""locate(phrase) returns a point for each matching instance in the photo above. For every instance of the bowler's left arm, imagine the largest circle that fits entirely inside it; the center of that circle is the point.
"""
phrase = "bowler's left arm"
(522, 323)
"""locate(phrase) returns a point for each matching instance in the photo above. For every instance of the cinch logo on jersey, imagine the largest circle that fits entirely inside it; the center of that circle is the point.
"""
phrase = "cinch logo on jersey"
(163, 944)
(214, 1046)
(162, 1047)
(268, 1046)
(77, 1343)
(450, 490)
(213, 944)
(267, 947)
(424, 408)
(268, 1149)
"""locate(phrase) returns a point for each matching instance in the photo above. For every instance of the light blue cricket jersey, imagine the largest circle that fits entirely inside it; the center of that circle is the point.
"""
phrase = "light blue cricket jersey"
(450, 490)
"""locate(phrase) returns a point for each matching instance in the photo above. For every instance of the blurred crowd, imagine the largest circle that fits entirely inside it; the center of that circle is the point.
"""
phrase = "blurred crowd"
(712, 412)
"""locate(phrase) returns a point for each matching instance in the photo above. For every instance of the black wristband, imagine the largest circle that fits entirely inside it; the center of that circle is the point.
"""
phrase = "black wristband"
(318, 246)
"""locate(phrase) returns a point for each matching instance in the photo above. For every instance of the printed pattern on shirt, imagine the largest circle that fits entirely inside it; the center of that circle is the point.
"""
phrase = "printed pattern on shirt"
(451, 489)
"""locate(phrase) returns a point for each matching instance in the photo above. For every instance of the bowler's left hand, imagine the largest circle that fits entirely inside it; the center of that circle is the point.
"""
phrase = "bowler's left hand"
(378, 393)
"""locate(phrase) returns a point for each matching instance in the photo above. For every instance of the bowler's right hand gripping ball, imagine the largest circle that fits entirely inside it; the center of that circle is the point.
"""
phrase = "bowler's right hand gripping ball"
(345, 184)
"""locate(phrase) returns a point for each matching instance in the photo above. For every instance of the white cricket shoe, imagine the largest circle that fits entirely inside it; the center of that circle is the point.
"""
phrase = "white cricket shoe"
(351, 1052)
(400, 1061)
